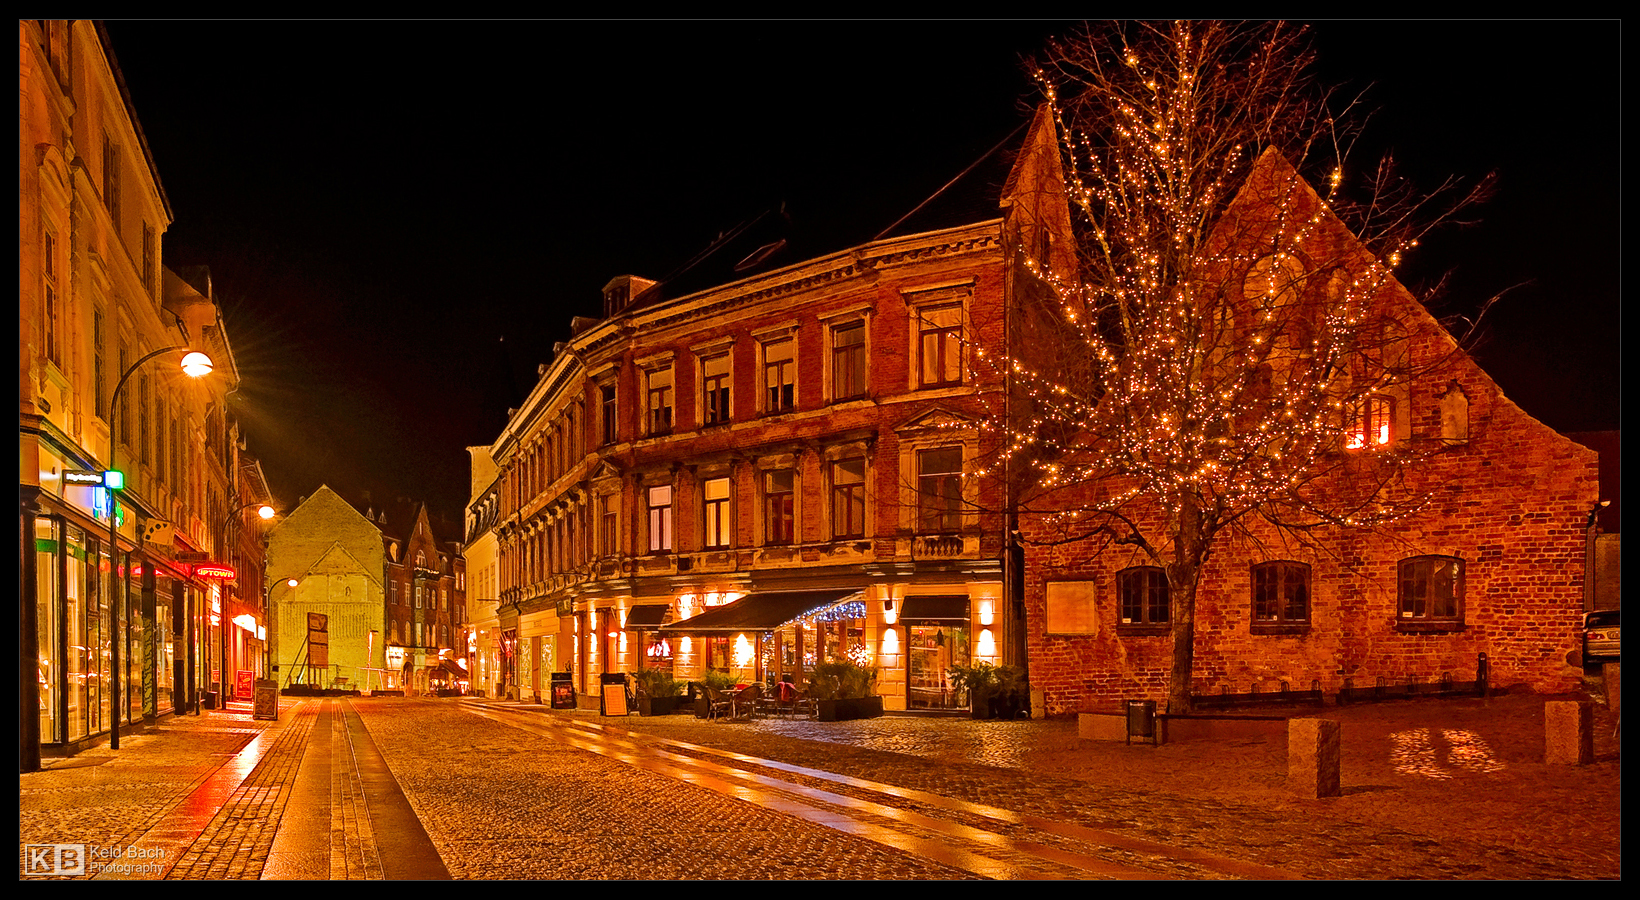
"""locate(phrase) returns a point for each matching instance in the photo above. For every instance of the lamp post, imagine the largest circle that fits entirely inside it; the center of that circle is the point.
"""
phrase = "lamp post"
(195, 365)
(266, 512)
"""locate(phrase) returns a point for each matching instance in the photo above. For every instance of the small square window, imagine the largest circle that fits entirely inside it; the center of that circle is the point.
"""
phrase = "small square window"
(1143, 600)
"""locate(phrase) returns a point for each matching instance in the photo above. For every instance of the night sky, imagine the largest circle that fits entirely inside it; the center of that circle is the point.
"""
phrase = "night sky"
(401, 218)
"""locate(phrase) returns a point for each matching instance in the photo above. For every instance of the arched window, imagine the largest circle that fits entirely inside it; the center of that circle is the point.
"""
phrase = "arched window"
(1431, 591)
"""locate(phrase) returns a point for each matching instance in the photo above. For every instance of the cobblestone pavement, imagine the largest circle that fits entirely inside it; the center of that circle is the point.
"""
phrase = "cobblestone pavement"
(1450, 789)
(1433, 789)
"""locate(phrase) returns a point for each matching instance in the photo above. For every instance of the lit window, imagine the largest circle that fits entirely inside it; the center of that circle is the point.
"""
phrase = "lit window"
(715, 501)
(939, 491)
(1372, 427)
(779, 375)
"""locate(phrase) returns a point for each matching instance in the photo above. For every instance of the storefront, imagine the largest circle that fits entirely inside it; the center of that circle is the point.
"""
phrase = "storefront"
(89, 607)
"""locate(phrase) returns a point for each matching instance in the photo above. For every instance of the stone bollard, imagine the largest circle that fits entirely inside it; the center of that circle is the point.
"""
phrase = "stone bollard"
(1313, 758)
(1568, 732)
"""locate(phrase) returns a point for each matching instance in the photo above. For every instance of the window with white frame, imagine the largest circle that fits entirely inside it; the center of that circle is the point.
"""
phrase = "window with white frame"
(715, 507)
(660, 518)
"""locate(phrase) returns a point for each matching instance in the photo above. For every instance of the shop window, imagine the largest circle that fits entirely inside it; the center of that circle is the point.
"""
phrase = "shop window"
(779, 506)
(939, 491)
(848, 498)
(1281, 597)
(848, 361)
(1431, 592)
(715, 505)
(1143, 599)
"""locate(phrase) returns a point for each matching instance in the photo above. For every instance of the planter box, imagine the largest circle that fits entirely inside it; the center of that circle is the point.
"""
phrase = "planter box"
(850, 708)
(659, 706)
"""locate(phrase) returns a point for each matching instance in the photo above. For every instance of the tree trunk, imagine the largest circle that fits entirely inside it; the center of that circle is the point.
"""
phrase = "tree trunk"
(1189, 552)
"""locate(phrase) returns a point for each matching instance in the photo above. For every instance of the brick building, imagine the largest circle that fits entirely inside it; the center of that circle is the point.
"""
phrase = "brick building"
(762, 475)
(1492, 565)
(425, 617)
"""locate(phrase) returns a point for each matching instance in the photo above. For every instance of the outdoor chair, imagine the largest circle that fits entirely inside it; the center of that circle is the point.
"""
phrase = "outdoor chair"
(743, 703)
(718, 703)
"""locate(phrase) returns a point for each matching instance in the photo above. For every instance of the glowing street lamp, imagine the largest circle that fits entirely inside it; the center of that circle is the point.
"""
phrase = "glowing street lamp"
(265, 512)
(195, 365)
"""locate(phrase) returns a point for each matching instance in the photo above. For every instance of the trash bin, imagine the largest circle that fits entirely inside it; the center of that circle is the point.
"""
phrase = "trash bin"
(207, 699)
(1141, 720)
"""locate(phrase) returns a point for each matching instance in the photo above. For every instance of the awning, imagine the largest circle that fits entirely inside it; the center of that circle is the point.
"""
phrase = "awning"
(935, 608)
(648, 617)
(758, 612)
(452, 667)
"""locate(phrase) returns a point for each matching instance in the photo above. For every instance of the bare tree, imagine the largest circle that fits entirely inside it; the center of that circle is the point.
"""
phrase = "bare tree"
(1242, 351)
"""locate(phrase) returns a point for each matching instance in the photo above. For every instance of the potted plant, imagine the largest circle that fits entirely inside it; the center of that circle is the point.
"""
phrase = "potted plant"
(658, 692)
(1011, 693)
(844, 690)
(979, 681)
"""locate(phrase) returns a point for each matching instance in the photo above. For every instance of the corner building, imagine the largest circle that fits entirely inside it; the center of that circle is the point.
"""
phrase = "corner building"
(756, 478)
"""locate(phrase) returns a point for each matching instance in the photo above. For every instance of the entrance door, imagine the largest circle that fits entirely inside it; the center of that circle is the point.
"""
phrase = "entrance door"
(935, 646)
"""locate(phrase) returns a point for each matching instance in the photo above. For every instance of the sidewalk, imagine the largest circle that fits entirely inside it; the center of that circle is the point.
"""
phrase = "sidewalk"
(147, 803)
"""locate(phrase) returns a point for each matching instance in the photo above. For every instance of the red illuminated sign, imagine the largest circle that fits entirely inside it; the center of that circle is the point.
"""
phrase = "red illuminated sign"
(216, 571)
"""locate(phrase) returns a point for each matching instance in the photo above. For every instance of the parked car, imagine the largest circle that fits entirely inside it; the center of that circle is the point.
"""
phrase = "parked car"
(1600, 634)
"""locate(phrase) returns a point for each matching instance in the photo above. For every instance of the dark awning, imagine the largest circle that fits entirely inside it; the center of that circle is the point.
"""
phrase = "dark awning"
(452, 667)
(758, 612)
(648, 617)
(935, 608)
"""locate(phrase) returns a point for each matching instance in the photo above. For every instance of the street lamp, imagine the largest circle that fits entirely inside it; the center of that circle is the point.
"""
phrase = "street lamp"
(266, 512)
(195, 365)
